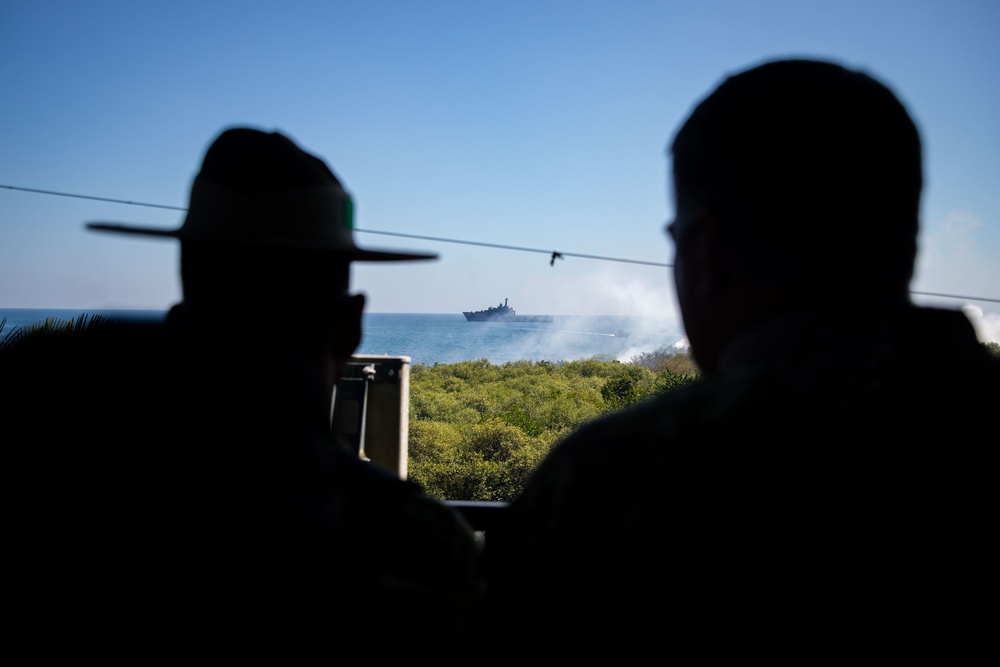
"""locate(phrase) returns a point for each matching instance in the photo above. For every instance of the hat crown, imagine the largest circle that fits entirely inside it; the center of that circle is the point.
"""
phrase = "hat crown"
(260, 188)
(249, 160)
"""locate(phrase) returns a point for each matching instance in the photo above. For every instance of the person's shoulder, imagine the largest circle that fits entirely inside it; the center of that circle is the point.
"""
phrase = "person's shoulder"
(46, 358)
(645, 423)
(611, 453)
(385, 499)
(422, 552)
(950, 339)
(102, 340)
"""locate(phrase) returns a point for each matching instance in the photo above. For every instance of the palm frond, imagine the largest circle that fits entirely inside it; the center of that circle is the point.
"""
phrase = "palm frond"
(53, 326)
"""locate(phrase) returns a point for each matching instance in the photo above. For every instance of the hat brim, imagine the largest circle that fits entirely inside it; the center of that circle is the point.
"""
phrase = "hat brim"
(354, 254)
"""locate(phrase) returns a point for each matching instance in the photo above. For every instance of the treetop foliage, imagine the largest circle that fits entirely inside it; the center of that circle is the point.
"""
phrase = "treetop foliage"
(477, 430)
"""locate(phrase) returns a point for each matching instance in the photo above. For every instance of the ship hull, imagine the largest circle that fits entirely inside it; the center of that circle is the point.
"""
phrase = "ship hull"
(490, 317)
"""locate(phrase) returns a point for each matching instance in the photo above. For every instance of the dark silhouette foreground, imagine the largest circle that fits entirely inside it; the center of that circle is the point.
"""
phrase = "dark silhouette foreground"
(176, 489)
(827, 488)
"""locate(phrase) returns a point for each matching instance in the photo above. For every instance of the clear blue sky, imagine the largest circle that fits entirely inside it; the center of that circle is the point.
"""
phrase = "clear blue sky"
(537, 124)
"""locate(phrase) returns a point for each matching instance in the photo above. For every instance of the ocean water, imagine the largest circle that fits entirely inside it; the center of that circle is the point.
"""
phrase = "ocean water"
(448, 338)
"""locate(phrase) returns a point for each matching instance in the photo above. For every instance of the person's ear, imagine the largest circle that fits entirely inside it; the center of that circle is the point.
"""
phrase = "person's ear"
(349, 325)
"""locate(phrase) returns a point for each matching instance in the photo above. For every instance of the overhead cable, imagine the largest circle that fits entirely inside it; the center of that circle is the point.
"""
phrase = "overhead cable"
(554, 254)
(113, 201)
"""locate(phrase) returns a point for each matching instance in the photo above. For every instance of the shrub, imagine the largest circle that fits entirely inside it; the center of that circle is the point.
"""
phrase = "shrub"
(478, 430)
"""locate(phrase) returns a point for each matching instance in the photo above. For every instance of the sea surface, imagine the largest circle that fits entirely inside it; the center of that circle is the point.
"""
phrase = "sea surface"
(448, 338)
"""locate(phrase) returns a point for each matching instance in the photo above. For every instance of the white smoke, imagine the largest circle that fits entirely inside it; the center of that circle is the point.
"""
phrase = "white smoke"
(954, 259)
(987, 325)
(950, 242)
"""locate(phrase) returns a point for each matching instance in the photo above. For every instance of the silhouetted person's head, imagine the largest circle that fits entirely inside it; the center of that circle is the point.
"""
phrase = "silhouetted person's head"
(794, 181)
(263, 180)
(267, 244)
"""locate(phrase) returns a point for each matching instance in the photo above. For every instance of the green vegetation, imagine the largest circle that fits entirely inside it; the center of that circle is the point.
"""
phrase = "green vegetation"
(477, 430)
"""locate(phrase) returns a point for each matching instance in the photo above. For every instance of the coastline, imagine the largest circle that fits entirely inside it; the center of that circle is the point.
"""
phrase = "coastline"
(449, 338)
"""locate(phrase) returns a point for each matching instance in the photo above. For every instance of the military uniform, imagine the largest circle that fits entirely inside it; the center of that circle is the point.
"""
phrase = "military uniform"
(179, 493)
(829, 490)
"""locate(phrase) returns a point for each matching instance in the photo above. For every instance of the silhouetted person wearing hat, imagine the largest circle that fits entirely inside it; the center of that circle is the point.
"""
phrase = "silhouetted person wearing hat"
(185, 491)
(827, 488)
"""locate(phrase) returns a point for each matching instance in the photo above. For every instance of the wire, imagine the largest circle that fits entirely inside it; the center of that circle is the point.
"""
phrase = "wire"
(552, 253)
(555, 255)
(113, 201)
(956, 296)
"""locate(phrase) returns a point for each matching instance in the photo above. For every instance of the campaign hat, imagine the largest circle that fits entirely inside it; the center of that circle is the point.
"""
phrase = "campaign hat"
(260, 188)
